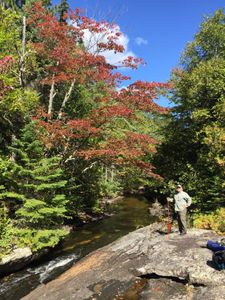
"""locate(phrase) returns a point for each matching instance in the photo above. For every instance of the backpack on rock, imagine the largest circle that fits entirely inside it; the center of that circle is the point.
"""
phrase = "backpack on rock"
(219, 259)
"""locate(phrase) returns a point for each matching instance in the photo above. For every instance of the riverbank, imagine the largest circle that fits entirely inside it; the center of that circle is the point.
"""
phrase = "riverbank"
(19, 258)
(147, 262)
(125, 216)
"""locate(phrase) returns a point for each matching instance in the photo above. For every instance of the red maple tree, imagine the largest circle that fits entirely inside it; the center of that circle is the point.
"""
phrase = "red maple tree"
(69, 60)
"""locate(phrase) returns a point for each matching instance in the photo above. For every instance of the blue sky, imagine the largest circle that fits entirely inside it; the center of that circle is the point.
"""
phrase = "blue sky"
(155, 30)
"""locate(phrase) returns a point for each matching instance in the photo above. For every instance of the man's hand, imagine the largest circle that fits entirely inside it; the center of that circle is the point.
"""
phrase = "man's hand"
(169, 199)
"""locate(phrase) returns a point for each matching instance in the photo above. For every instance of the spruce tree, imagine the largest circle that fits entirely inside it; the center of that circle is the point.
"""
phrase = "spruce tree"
(34, 186)
(62, 9)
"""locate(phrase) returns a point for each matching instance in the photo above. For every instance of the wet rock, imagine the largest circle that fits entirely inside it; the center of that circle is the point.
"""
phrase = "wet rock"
(171, 266)
(16, 255)
(162, 288)
(18, 259)
(109, 201)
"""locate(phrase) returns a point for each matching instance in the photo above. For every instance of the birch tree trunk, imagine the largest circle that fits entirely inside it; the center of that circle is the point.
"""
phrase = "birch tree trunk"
(22, 57)
(51, 96)
(112, 173)
(66, 98)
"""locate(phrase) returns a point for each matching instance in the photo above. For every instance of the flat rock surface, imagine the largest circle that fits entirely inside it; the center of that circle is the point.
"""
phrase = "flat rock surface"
(145, 264)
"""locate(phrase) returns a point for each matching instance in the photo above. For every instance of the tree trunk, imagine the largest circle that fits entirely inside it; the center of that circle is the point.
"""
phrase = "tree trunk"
(106, 174)
(13, 154)
(51, 96)
(22, 61)
(66, 98)
(112, 173)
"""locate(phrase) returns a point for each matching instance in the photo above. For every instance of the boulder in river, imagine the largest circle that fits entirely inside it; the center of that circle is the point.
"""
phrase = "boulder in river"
(145, 264)
(157, 210)
(18, 259)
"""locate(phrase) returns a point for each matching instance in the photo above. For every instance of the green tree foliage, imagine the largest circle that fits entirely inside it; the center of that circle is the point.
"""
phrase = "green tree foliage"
(194, 150)
(17, 101)
(6, 227)
(9, 4)
(33, 190)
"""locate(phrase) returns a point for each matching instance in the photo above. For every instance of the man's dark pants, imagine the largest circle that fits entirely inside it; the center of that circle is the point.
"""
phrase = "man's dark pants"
(182, 224)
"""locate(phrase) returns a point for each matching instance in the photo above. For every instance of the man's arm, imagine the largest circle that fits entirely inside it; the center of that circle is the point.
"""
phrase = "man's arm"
(169, 199)
(188, 199)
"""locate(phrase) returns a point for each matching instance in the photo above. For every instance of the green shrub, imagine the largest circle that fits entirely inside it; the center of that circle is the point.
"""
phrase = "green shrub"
(6, 234)
(39, 239)
(110, 188)
(214, 221)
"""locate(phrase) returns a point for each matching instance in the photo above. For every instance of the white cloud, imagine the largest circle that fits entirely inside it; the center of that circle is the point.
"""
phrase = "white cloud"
(121, 88)
(140, 41)
(92, 39)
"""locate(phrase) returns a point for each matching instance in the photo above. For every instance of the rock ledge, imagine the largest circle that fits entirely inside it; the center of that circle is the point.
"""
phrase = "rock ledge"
(164, 266)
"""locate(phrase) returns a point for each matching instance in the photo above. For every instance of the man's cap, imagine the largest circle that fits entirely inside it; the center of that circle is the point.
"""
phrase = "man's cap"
(179, 186)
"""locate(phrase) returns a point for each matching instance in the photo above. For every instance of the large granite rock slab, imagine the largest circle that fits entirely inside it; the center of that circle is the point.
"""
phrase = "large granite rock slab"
(147, 264)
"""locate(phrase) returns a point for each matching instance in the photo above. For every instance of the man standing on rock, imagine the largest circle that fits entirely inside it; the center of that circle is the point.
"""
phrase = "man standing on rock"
(181, 201)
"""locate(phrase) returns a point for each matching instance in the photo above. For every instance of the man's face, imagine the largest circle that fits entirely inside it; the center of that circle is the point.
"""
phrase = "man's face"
(179, 189)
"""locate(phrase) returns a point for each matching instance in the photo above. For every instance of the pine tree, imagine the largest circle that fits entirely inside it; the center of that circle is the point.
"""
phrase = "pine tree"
(15, 4)
(33, 185)
(20, 3)
(62, 9)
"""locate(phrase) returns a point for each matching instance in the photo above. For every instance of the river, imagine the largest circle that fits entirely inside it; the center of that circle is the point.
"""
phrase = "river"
(127, 215)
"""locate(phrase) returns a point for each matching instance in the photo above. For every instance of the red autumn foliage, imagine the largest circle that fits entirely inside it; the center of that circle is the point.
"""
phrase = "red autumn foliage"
(147, 167)
(68, 59)
(132, 62)
(122, 152)
(105, 114)
(5, 63)
(140, 95)
(62, 46)
(83, 127)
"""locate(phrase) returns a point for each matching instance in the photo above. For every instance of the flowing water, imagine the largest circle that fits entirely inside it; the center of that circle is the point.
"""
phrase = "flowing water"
(127, 215)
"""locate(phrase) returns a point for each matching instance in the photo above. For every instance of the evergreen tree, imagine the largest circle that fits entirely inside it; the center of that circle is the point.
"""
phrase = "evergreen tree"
(193, 152)
(21, 3)
(33, 191)
(62, 9)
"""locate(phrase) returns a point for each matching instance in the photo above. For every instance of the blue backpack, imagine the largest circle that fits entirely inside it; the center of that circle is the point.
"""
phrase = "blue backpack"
(219, 259)
(216, 246)
(219, 253)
